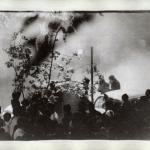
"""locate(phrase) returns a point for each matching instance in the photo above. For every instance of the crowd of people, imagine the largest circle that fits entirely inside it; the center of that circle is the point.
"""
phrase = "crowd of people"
(37, 118)
(130, 118)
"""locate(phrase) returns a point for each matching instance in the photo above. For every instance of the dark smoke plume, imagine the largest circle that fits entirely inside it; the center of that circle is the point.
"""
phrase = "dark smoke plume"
(47, 46)
(75, 22)
(28, 21)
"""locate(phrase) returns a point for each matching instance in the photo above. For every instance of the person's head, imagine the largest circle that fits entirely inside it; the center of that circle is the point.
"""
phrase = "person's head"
(37, 94)
(52, 85)
(112, 78)
(86, 80)
(7, 116)
(125, 97)
(147, 93)
(101, 77)
(67, 108)
(16, 94)
(54, 25)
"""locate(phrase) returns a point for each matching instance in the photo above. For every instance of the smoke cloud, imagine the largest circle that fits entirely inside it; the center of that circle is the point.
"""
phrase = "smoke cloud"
(121, 44)
(121, 47)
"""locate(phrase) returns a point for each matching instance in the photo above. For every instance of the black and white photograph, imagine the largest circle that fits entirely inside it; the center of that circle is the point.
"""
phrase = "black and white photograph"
(74, 75)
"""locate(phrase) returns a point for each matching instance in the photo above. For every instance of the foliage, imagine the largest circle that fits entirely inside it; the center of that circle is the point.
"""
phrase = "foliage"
(33, 71)
(35, 78)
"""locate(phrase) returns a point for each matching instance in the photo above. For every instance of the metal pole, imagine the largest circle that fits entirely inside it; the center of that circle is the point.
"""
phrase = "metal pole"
(92, 75)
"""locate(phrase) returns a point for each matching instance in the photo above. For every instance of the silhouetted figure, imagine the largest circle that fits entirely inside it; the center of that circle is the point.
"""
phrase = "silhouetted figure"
(94, 120)
(147, 94)
(1, 120)
(15, 103)
(67, 120)
(103, 86)
(144, 109)
(126, 103)
(22, 129)
(114, 83)
(7, 119)
(52, 86)
(86, 82)
(129, 118)
(4, 135)
(79, 120)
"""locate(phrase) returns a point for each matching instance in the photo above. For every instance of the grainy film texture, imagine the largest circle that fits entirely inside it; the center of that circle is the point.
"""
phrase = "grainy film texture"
(74, 75)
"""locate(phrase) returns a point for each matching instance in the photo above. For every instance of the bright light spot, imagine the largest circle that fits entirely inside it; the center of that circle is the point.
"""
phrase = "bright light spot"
(80, 51)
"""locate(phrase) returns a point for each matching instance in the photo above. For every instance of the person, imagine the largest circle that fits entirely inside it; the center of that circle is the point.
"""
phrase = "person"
(147, 94)
(108, 103)
(7, 120)
(1, 120)
(114, 83)
(86, 82)
(93, 120)
(16, 103)
(52, 86)
(13, 123)
(103, 86)
(3, 135)
(50, 121)
(67, 119)
(79, 120)
(125, 99)
(21, 130)
(53, 114)
(144, 107)
(128, 117)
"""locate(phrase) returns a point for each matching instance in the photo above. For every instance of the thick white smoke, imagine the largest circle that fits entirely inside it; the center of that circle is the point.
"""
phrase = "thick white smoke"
(121, 47)
(121, 44)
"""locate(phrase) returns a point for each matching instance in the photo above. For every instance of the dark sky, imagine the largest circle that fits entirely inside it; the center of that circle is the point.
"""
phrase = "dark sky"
(121, 44)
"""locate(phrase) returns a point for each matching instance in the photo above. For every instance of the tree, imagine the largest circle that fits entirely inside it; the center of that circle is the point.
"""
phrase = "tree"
(33, 78)
(34, 72)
